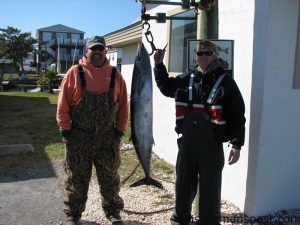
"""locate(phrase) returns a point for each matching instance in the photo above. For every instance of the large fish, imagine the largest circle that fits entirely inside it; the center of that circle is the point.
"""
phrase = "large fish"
(141, 114)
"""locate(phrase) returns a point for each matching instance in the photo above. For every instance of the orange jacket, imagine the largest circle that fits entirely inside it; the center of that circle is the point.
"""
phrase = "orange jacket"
(97, 80)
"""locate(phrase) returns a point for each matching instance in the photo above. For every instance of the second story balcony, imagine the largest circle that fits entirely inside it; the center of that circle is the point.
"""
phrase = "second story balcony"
(69, 57)
(70, 42)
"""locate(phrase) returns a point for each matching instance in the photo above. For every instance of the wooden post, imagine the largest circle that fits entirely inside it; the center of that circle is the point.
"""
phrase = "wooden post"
(209, 23)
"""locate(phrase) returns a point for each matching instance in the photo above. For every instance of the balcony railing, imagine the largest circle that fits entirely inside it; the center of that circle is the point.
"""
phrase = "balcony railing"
(67, 41)
(69, 57)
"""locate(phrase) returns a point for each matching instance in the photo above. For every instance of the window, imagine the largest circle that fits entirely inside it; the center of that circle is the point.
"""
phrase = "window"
(75, 38)
(181, 31)
(47, 36)
(75, 53)
(62, 53)
(60, 37)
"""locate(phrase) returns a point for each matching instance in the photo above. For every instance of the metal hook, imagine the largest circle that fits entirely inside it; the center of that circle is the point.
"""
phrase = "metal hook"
(149, 37)
(146, 23)
(153, 48)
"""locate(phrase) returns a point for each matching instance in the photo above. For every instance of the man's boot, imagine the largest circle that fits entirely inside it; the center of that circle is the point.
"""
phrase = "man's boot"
(177, 221)
(116, 220)
(72, 221)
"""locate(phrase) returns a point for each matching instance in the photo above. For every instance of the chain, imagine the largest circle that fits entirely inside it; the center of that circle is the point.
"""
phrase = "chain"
(146, 17)
(143, 10)
(149, 36)
(195, 5)
(196, 9)
(148, 33)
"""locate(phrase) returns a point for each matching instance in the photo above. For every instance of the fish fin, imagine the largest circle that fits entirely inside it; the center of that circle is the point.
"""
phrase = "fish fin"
(148, 181)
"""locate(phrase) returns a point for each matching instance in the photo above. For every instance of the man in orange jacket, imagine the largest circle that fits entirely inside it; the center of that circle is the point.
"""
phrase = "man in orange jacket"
(92, 115)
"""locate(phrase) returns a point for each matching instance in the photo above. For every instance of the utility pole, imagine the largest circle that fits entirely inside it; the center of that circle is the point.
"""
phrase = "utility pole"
(208, 23)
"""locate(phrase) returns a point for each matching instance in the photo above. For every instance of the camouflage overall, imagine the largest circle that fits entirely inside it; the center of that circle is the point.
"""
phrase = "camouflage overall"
(93, 141)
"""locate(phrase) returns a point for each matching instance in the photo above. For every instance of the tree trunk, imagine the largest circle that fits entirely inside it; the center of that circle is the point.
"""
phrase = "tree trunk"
(22, 68)
(50, 88)
(17, 69)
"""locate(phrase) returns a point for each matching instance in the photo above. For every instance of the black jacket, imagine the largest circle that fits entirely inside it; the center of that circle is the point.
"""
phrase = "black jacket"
(228, 97)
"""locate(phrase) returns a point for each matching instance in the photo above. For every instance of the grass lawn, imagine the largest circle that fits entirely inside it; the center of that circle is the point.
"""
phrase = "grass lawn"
(29, 118)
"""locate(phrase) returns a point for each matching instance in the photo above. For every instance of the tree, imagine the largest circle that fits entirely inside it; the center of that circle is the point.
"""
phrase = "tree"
(47, 79)
(51, 75)
(16, 46)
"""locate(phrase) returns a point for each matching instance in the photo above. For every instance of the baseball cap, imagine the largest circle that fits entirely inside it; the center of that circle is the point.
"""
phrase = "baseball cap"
(96, 40)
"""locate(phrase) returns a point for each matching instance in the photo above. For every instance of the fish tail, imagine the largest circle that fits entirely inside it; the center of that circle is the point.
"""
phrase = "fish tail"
(148, 181)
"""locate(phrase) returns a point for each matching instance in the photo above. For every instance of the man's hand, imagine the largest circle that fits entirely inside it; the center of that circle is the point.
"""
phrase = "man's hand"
(65, 134)
(159, 56)
(118, 134)
(234, 156)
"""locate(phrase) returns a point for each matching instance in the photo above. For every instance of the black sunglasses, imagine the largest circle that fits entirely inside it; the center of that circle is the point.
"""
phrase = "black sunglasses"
(97, 47)
(205, 53)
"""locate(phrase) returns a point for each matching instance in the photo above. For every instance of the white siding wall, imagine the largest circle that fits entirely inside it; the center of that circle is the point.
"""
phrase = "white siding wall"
(163, 108)
(128, 57)
(273, 178)
(112, 56)
(236, 18)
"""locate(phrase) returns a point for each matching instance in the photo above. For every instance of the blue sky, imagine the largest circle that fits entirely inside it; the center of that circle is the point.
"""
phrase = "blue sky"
(94, 17)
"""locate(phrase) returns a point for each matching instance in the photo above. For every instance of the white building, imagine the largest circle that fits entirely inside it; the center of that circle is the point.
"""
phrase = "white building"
(267, 70)
(115, 57)
(27, 63)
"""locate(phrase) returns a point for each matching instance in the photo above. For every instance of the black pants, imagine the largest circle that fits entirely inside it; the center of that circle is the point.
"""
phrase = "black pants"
(200, 157)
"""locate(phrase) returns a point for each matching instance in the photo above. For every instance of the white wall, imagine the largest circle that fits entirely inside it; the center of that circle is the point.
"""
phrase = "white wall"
(273, 180)
(112, 57)
(128, 56)
(236, 18)
(163, 108)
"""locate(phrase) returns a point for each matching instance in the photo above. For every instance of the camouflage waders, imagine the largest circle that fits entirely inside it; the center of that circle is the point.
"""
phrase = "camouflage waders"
(199, 154)
(93, 141)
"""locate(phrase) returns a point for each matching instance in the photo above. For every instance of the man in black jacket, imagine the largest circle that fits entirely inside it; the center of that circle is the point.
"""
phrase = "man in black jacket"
(209, 111)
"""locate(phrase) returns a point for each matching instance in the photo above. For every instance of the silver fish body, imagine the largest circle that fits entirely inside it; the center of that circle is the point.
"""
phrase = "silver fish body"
(141, 113)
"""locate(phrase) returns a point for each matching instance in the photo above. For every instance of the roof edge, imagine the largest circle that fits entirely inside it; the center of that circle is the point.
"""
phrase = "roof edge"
(124, 28)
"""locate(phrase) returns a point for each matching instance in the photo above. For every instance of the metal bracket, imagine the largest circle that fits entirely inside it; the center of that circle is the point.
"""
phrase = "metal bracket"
(161, 17)
(185, 4)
